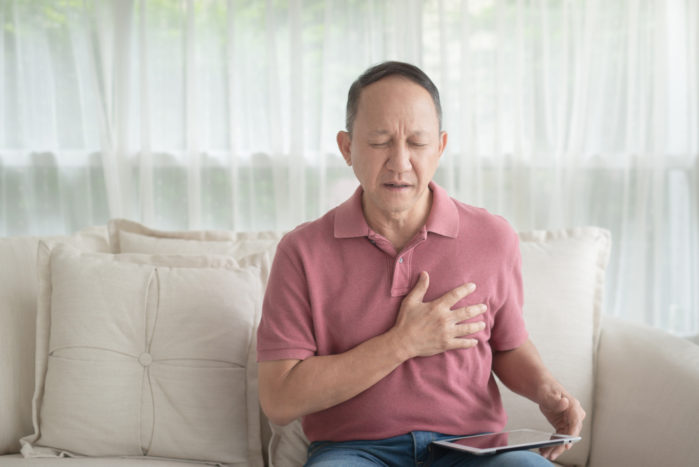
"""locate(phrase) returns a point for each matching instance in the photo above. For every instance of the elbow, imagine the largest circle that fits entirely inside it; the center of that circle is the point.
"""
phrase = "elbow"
(276, 411)
(277, 398)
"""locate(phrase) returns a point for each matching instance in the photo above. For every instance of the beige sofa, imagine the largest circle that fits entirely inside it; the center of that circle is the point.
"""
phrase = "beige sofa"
(70, 386)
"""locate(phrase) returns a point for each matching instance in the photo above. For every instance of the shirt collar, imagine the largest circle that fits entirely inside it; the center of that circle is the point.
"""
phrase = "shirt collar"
(443, 219)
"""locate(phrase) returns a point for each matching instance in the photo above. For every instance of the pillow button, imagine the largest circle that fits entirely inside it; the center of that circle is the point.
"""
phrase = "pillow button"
(145, 359)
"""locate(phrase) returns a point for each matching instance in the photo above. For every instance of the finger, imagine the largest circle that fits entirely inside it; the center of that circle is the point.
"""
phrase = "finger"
(462, 343)
(556, 403)
(420, 289)
(467, 329)
(468, 312)
(562, 404)
(550, 453)
(556, 451)
(454, 295)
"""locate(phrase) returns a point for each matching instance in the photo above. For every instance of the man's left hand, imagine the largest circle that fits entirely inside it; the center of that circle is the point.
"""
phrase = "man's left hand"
(566, 415)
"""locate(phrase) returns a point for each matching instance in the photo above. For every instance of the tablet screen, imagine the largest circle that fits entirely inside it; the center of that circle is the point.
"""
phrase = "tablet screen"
(508, 440)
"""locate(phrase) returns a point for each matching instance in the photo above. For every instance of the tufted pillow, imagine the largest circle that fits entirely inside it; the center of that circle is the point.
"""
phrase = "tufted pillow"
(563, 275)
(143, 355)
(249, 248)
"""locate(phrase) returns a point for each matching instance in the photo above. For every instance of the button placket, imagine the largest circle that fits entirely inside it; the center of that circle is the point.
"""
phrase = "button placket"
(401, 273)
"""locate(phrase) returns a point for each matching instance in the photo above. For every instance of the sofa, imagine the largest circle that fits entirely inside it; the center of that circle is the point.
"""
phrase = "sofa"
(123, 345)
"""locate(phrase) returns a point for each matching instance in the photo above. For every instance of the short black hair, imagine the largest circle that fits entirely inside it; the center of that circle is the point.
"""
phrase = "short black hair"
(382, 70)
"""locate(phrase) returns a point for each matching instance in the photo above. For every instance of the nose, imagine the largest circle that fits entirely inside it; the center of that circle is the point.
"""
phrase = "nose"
(399, 159)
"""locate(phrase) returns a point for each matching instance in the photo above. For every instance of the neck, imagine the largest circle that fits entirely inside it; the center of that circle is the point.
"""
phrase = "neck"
(400, 227)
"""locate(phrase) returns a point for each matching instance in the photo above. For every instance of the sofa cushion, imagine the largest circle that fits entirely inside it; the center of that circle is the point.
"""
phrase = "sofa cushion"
(646, 404)
(18, 327)
(18, 461)
(563, 275)
(146, 355)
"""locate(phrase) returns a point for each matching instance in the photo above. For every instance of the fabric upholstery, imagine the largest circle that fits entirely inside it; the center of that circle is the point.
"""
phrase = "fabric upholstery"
(131, 237)
(17, 460)
(146, 355)
(646, 405)
(18, 327)
(564, 276)
(249, 248)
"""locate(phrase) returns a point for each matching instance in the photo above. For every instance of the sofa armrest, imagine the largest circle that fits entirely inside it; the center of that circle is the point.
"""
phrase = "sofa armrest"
(646, 398)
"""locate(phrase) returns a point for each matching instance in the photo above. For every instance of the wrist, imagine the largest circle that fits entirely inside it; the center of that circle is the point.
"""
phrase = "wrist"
(398, 346)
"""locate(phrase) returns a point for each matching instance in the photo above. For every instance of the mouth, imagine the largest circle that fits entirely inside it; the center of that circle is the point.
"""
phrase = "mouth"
(397, 186)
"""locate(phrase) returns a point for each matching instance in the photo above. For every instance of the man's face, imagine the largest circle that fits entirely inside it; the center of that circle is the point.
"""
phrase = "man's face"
(395, 147)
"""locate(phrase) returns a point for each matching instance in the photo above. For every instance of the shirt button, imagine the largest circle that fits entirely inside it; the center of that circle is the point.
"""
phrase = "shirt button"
(400, 260)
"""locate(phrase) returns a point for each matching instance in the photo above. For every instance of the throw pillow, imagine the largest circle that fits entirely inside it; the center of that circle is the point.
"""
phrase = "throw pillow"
(131, 237)
(143, 355)
(249, 248)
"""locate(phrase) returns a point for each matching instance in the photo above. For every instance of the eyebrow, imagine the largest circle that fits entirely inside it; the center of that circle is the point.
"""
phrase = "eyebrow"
(386, 132)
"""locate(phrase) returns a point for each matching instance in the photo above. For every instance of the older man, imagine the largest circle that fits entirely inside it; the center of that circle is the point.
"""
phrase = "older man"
(385, 319)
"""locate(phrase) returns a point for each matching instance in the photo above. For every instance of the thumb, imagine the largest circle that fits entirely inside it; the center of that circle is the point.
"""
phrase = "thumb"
(557, 402)
(420, 289)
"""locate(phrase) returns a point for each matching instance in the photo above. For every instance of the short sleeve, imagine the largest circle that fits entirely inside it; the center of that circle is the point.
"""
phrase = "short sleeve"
(286, 327)
(509, 329)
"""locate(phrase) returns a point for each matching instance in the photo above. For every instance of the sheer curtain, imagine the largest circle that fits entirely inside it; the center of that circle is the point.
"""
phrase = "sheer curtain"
(223, 114)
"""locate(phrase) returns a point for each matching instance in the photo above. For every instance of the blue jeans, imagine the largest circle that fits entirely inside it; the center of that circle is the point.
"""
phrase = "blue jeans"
(412, 449)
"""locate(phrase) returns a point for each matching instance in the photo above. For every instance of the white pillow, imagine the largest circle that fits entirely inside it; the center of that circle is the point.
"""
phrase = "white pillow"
(563, 275)
(249, 248)
(131, 237)
(146, 355)
(18, 284)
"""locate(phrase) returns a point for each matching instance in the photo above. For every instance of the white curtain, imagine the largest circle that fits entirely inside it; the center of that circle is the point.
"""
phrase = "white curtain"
(223, 113)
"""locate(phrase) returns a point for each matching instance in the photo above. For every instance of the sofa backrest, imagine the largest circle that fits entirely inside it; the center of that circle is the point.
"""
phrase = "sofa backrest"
(563, 273)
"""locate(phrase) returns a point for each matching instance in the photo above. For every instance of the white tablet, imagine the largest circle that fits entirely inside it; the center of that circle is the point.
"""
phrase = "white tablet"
(493, 443)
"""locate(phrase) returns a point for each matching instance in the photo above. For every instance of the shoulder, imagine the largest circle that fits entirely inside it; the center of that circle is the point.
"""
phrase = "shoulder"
(476, 223)
(309, 235)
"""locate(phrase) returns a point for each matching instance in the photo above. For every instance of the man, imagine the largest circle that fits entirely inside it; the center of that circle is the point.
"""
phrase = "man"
(385, 319)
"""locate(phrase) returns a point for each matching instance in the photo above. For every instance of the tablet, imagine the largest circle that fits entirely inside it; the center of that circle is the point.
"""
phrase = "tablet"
(493, 443)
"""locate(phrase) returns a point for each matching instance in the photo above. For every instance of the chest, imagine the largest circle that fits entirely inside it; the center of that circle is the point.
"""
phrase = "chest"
(361, 298)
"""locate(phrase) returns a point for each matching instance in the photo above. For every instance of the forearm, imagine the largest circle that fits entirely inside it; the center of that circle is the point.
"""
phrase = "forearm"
(523, 371)
(321, 382)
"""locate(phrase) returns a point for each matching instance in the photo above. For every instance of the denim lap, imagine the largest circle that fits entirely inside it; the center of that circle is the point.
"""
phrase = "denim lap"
(412, 449)
(505, 459)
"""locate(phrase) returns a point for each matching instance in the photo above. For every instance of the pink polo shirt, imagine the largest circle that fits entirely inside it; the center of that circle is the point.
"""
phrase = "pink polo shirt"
(335, 283)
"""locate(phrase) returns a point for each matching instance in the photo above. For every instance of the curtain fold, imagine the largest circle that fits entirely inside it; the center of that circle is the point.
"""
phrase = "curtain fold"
(223, 114)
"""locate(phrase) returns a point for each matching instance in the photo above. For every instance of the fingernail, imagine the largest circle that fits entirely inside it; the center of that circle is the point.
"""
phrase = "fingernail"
(471, 286)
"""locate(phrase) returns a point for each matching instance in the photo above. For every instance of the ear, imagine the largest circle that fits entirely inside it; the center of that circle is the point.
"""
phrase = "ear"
(344, 141)
(443, 137)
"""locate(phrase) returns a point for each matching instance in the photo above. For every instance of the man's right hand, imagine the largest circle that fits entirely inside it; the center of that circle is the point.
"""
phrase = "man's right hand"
(293, 388)
(429, 328)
